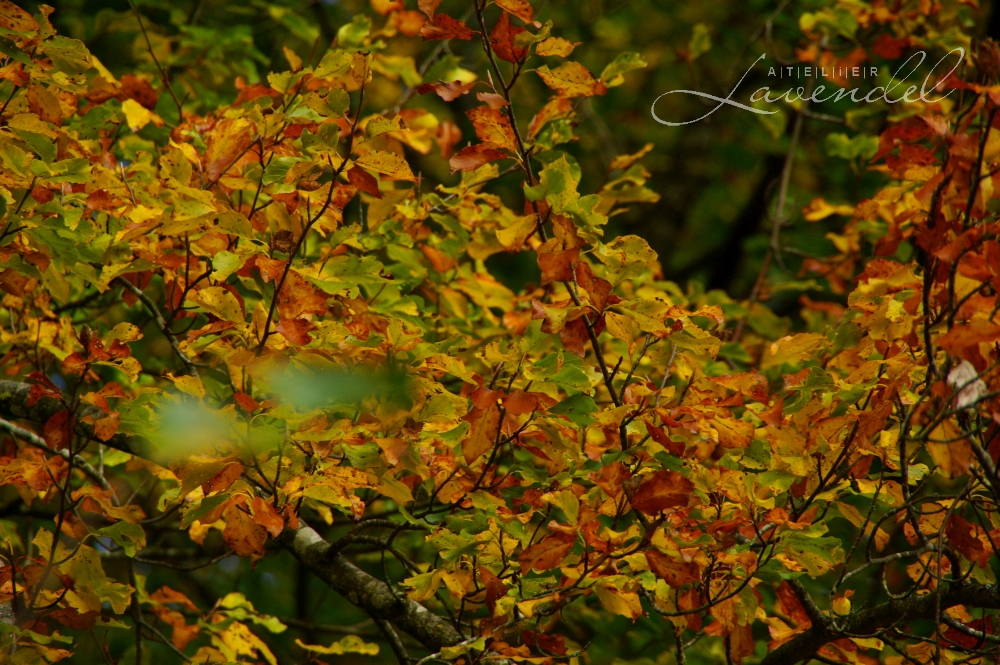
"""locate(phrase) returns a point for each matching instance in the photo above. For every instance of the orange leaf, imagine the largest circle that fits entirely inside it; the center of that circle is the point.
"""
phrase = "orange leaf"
(296, 331)
(228, 139)
(662, 490)
(483, 432)
(555, 109)
(472, 157)
(265, 515)
(242, 533)
(222, 478)
(493, 126)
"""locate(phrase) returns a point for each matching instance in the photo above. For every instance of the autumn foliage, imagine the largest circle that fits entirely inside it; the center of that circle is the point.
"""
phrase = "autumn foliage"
(256, 331)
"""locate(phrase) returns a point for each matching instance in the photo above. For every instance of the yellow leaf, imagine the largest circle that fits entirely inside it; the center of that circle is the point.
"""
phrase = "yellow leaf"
(819, 209)
(348, 644)
(220, 302)
(620, 602)
(555, 46)
(136, 115)
(191, 385)
(386, 163)
(571, 79)
(513, 237)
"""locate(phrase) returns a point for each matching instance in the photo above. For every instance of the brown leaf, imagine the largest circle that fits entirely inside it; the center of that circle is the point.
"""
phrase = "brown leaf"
(598, 288)
(792, 606)
(442, 26)
(447, 136)
(493, 100)
(546, 554)
(574, 337)
(964, 537)
(42, 194)
(364, 181)
(105, 428)
(296, 331)
(140, 90)
(519, 402)
(472, 157)
(661, 490)
(428, 6)
(674, 573)
(44, 104)
(495, 588)
(408, 22)
(556, 264)
(243, 534)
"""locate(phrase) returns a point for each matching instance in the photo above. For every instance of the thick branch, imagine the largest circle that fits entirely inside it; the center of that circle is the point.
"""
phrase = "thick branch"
(370, 594)
(867, 622)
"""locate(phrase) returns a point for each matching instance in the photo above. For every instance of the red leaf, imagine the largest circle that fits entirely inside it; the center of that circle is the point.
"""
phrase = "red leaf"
(474, 156)
(364, 181)
(442, 26)
(245, 402)
(502, 38)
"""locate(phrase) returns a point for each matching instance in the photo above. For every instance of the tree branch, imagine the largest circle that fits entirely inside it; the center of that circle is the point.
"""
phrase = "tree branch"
(866, 622)
(368, 593)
